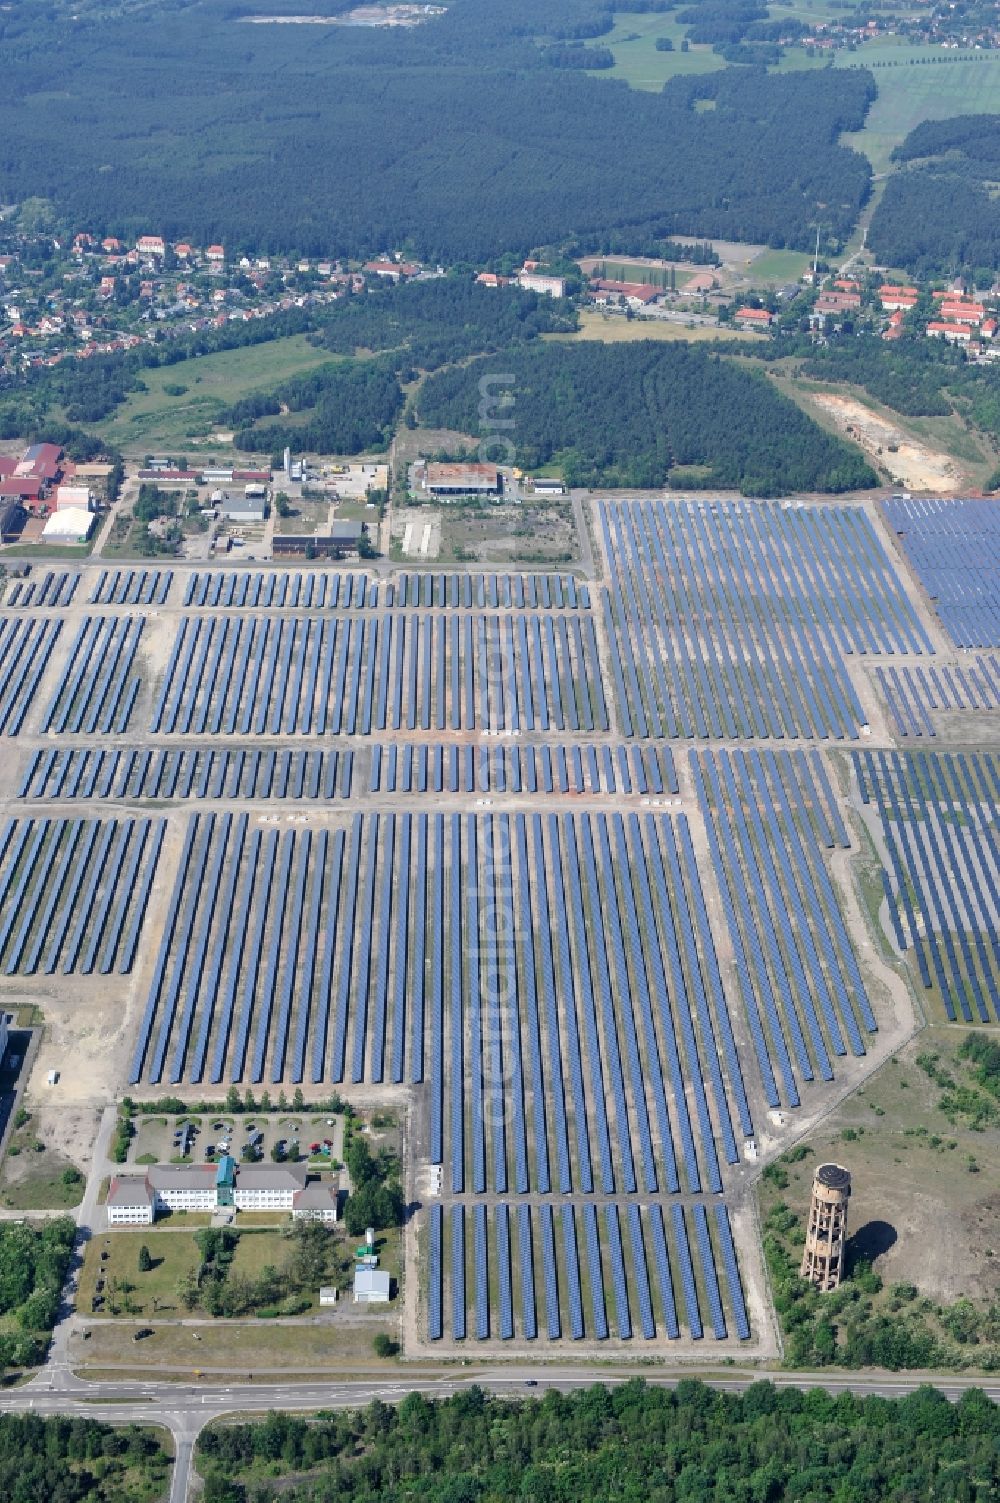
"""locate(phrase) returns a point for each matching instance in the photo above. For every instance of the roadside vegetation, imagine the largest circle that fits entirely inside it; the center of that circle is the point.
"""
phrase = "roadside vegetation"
(629, 1442)
(80, 1461)
(34, 1259)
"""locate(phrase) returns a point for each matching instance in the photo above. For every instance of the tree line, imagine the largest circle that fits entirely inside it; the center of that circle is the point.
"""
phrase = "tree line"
(939, 214)
(34, 1259)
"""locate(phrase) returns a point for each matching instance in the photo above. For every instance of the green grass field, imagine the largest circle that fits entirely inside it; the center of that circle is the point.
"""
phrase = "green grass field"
(633, 42)
(613, 329)
(778, 266)
(152, 420)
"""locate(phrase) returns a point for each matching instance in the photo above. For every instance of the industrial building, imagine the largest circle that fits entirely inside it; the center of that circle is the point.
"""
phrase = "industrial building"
(238, 506)
(341, 540)
(12, 519)
(372, 1286)
(458, 479)
(71, 525)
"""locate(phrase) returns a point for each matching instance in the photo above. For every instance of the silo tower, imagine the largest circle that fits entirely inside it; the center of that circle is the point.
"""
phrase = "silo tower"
(823, 1259)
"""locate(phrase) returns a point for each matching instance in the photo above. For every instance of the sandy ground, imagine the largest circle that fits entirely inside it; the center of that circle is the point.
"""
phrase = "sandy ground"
(69, 1131)
(912, 464)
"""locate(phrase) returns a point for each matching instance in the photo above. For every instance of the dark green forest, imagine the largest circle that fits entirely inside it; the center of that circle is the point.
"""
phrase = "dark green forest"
(647, 414)
(630, 1444)
(455, 138)
(939, 214)
(78, 1461)
(349, 408)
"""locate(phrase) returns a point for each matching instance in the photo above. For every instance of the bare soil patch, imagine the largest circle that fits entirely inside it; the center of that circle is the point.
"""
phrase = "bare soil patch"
(913, 464)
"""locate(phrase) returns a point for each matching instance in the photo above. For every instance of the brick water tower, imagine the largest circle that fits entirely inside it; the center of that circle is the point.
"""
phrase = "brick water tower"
(823, 1259)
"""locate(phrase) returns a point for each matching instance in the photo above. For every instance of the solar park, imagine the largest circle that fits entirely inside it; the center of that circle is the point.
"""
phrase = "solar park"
(559, 865)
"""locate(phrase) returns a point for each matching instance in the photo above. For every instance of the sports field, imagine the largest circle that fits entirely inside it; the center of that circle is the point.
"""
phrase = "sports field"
(153, 419)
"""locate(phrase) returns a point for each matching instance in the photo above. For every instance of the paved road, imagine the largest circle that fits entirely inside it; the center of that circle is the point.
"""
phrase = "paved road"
(184, 1410)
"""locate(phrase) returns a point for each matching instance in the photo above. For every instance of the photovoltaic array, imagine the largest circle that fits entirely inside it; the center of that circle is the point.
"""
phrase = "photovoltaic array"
(165, 773)
(50, 589)
(914, 695)
(97, 690)
(954, 546)
(302, 675)
(938, 819)
(798, 974)
(588, 960)
(25, 648)
(364, 954)
(732, 619)
(583, 1271)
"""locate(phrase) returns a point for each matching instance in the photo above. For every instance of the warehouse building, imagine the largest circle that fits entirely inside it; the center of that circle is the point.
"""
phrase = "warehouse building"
(70, 525)
(372, 1286)
(458, 479)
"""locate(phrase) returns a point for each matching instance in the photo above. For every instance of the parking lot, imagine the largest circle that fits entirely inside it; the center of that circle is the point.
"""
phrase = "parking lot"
(254, 1138)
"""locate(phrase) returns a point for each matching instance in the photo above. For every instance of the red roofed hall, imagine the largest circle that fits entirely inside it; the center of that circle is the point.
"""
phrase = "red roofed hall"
(753, 318)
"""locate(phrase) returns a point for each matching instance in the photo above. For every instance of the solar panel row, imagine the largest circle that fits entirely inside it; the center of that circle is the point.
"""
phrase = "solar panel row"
(96, 693)
(424, 768)
(704, 646)
(165, 773)
(789, 936)
(51, 589)
(955, 548)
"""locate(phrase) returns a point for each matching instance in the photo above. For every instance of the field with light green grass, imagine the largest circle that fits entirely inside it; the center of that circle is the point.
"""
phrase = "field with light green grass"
(914, 84)
(778, 266)
(153, 419)
(633, 42)
(919, 83)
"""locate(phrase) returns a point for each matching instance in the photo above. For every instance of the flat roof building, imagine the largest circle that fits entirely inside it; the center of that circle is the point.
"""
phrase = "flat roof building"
(459, 479)
(372, 1286)
(71, 525)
